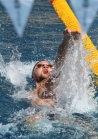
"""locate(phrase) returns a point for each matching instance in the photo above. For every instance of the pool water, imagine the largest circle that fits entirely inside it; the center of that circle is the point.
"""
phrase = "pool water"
(77, 109)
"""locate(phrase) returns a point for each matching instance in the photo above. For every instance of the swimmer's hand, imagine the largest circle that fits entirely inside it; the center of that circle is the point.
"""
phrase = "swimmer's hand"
(32, 118)
(71, 34)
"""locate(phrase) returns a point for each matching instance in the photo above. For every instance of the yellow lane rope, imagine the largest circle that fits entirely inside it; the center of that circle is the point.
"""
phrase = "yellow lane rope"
(69, 19)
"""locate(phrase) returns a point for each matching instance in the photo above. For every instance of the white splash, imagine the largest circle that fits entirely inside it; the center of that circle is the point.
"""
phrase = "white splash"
(16, 73)
(75, 88)
(7, 128)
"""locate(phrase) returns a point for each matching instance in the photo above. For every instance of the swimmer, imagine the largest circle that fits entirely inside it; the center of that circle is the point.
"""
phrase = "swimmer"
(42, 70)
(42, 74)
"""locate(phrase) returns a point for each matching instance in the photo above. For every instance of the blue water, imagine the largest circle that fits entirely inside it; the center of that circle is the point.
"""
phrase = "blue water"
(41, 39)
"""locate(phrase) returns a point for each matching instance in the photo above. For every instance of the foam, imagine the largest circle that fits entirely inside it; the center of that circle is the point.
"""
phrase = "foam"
(75, 90)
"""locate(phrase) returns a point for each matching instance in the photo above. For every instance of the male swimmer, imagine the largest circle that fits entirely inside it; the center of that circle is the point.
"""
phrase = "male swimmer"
(43, 94)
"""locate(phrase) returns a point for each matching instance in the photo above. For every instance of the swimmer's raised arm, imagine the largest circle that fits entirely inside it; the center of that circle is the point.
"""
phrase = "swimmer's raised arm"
(43, 76)
(68, 35)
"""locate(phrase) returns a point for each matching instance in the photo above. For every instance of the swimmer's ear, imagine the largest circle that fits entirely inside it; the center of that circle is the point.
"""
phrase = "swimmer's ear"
(33, 79)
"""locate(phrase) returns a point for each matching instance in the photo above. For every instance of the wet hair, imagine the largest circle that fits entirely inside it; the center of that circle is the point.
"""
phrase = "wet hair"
(35, 66)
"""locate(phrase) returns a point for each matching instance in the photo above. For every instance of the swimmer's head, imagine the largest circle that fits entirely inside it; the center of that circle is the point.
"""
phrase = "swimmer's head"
(41, 70)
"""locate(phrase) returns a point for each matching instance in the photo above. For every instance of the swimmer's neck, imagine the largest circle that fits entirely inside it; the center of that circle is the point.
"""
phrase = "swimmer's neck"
(40, 82)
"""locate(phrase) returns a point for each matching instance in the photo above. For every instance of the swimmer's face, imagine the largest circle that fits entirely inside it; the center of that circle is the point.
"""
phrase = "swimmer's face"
(42, 70)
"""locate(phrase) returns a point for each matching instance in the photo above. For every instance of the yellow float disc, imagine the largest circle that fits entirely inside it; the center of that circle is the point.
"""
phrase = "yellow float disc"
(69, 19)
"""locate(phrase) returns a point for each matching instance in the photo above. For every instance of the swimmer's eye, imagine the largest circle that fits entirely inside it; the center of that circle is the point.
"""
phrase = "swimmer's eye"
(43, 65)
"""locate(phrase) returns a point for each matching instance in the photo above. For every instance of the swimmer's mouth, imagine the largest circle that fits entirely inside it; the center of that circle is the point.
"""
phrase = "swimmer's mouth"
(45, 71)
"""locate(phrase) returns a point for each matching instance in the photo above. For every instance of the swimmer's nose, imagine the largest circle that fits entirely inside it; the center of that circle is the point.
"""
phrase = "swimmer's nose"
(45, 66)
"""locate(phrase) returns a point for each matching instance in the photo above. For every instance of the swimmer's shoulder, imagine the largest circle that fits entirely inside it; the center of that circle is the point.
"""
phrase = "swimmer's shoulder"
(33, 94)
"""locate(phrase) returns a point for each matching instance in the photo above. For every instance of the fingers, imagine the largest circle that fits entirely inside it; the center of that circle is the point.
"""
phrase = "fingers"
(68, 34)
(76, 35)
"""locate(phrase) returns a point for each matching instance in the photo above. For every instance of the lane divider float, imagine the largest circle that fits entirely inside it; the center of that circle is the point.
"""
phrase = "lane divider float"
(67, 16)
